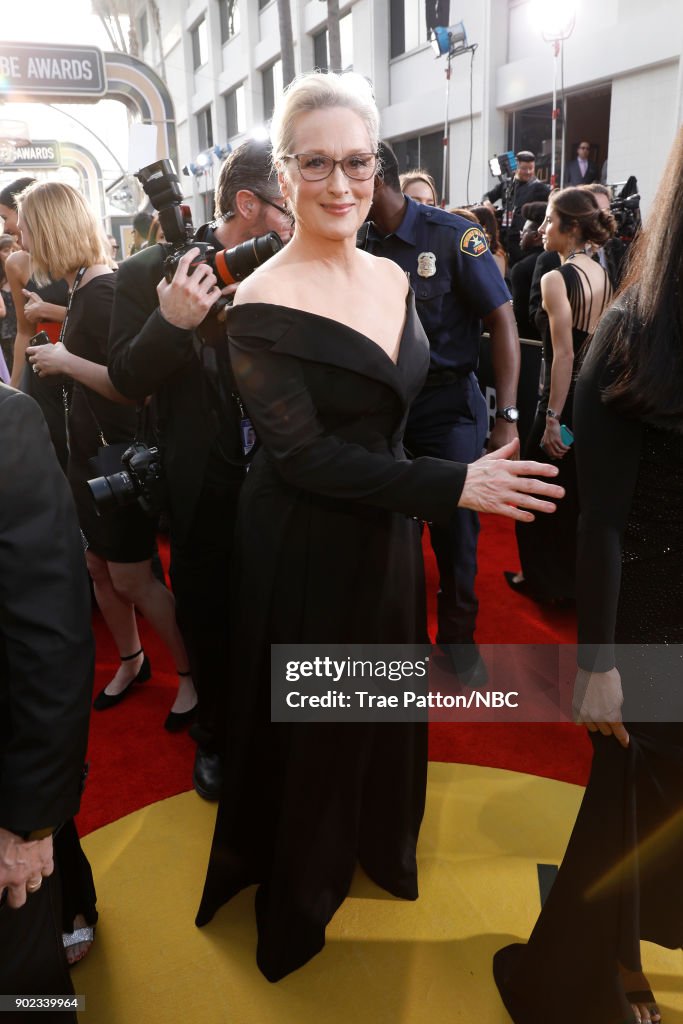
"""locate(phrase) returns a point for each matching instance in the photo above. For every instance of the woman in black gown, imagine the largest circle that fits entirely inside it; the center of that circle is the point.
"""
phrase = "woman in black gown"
(620, 880)
(328, 354)
(574, 297)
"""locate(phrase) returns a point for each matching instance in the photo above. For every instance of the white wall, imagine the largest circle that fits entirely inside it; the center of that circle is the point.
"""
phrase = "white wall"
(643, 123)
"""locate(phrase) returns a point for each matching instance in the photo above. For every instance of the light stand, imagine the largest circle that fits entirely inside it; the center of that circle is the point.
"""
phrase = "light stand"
(556, 19)
(449, 42)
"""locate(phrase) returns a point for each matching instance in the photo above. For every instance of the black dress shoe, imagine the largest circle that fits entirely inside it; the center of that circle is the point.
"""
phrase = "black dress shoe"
(519, 586)
(524, 587)
(467, 663)
(176, 721)
(103, 701)
(207, 776)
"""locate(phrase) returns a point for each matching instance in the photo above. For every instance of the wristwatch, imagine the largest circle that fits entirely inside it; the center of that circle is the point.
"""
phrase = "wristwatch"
(510, 413)
(550, 414)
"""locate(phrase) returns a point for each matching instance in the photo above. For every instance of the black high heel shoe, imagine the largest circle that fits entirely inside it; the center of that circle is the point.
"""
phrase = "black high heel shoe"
(176, 721)
(103, 701)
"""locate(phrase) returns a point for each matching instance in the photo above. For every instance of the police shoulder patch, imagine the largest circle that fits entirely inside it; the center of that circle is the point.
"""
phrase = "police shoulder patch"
(473, 242)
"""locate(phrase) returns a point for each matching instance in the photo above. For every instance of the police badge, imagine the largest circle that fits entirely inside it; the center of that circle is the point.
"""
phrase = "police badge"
(426, 264)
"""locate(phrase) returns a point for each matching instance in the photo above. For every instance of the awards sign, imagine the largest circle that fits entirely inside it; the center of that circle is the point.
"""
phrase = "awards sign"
(36, 69)
(40, 153)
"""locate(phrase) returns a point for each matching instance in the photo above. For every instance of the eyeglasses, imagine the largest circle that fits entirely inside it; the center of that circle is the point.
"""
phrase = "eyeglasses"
(280, 209)
(316, 167)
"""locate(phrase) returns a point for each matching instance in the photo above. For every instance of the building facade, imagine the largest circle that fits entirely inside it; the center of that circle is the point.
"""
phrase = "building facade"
(619, 76)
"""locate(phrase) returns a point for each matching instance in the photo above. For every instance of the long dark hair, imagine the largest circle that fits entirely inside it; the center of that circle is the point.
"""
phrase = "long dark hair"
(646, 350)
(489, 222)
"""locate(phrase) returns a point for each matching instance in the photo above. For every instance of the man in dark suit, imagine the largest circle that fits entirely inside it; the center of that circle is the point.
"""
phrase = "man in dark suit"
(581, 171)
(46, 667)
(156, 348)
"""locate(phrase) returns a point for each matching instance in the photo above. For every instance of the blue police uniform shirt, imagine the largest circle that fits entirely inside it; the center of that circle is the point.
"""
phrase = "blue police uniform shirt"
(454, 277)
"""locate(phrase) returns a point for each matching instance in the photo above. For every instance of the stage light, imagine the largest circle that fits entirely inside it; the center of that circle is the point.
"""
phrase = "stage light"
(222, 151)
(449, 41)
(555, 18)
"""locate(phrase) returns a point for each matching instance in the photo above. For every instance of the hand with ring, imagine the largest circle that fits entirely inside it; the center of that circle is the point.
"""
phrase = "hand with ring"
(24, 864)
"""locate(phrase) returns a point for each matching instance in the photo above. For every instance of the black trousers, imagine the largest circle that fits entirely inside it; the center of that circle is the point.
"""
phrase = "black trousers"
(200, 577)
(449, 422)
(32, 957)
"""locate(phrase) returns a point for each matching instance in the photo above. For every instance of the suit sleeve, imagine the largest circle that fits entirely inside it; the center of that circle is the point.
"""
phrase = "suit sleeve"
(46, 646)
(284, 416)
(607, 458)
(144, 349)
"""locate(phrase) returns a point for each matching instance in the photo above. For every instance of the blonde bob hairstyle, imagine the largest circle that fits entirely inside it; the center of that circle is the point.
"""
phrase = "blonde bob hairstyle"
(65, 233)
(320, 90)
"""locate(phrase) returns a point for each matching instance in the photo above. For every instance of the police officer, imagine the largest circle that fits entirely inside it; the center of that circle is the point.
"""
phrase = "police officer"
(457, 285)
(155, 348)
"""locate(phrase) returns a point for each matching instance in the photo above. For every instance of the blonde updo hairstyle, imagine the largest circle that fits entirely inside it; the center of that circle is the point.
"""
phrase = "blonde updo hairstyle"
(65, 234)
(319, 90)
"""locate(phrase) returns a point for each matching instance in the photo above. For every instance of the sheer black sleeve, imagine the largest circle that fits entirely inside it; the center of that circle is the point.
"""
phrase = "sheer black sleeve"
(607, 458)
(286, 422)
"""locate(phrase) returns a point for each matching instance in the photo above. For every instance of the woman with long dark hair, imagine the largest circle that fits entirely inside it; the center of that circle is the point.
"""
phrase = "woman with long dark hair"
(574, 297)
(488, 220)
(620, 880)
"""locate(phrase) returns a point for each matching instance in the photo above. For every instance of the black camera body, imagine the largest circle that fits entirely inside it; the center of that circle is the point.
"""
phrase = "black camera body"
(205, 255)
(140, 480)
(626, 213)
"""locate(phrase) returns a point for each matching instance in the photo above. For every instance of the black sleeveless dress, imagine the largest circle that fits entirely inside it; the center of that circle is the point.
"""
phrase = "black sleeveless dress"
(47, 391)
(547, 547)
(327, 552)
(620, 880)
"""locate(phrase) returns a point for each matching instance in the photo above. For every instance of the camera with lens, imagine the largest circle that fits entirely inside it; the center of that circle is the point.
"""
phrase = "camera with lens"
(625, 209)
(140, 480)
(162, 188)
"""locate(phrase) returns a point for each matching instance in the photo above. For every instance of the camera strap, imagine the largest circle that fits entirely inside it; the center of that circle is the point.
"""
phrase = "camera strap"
(65, 391)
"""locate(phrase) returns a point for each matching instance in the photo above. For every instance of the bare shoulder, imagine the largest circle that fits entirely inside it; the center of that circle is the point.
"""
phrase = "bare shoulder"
(266, 284)
(387, 273)
(18, 266)
(552, 285)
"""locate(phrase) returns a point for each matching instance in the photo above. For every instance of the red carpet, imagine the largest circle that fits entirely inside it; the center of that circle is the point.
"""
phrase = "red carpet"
(135, 762)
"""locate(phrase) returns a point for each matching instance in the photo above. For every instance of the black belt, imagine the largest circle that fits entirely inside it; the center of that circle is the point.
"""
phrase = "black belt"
(437, 378)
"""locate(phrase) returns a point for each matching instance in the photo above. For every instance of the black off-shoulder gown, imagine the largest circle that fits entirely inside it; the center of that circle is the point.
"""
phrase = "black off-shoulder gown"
(327, 552)
(621, 879)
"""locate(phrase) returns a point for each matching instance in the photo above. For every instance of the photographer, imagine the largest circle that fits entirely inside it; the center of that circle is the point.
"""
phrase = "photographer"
(156, 347)
(525, 187)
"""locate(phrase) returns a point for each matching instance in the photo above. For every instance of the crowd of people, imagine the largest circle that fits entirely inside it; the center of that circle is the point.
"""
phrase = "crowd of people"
(352, 354)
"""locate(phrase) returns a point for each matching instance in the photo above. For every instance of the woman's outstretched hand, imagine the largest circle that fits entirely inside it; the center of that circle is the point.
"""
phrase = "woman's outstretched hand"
(496, 483)
(598, 698)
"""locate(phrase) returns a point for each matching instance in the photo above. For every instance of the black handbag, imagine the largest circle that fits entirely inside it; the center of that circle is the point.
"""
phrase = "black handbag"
(108, 458)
